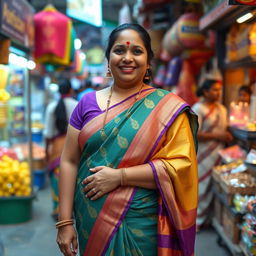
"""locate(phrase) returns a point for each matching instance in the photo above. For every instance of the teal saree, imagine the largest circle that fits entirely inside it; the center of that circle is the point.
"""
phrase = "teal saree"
(125, 221)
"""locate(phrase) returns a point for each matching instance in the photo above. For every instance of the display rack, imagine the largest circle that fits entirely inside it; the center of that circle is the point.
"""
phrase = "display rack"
(234, 249)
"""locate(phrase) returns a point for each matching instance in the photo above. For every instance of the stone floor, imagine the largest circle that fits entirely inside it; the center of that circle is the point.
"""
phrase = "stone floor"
(37, 237)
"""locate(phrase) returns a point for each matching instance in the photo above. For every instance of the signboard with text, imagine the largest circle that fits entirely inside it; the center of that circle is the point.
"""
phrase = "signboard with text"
(16, 21)
(242, 2)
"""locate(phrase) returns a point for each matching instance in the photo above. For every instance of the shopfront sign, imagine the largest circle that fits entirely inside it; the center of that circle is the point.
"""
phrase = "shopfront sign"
(242, 2)
(215, 14)
(16, 21)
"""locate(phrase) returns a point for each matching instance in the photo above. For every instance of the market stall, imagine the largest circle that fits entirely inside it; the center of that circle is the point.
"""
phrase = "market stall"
(16, 40)
(234, 179)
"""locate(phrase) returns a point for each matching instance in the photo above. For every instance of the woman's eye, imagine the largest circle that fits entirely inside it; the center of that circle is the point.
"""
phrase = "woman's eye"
(138, 51)
(118, 51)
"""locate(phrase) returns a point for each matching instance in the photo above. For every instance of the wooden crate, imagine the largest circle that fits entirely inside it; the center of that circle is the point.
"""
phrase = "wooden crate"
(218, 209)
(231, 225)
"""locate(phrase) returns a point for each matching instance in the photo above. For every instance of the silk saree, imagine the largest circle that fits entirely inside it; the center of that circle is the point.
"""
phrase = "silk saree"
(161, 131)
(55, 147)
(212, 119)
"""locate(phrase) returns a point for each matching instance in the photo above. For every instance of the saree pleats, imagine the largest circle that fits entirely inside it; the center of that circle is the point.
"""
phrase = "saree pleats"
(125, 221)
(138, 229)
(177, 182)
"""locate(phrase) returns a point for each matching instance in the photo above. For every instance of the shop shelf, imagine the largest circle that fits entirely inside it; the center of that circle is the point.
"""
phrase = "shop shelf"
(233, 248)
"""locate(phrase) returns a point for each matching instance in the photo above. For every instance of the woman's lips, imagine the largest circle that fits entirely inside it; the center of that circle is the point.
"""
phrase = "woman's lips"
(127, 69)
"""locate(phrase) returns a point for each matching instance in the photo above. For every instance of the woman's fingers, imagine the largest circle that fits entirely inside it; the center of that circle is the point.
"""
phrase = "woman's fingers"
(92, 192)
(74, 245)
(65, 248)
(88, 187)
(97, 168)
(97, 195)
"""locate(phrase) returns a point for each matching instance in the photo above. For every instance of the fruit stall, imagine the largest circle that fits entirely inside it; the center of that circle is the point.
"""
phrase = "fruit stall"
(16, 40)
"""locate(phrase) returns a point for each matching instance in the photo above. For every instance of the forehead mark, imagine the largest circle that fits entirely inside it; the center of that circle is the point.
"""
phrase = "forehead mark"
(128, 43)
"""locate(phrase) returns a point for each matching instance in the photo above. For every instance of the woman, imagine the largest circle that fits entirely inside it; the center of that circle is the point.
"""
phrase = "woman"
(129, 163)
(244, 94)
(56, 123)
(212, 136)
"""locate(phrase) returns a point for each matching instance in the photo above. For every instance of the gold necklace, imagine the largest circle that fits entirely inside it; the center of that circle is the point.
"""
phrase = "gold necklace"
(127, 114)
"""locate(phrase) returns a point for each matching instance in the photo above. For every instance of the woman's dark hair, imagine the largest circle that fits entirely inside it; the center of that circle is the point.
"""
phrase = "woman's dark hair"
(60, 112)
(246, 89)
(206, 86)
(144, 36)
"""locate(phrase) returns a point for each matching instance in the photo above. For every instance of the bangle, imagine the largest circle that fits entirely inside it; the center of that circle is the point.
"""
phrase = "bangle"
(64, 223)
(123, 177)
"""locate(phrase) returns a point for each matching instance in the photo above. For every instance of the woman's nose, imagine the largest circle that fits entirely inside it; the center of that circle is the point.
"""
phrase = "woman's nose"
(127, 57)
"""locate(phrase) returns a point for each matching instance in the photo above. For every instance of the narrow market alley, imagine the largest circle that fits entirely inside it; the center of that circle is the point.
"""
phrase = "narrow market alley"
(37, 237)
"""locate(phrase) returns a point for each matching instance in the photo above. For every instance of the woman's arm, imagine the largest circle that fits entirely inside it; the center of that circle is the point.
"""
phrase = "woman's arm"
(68, 172)
(225, 136)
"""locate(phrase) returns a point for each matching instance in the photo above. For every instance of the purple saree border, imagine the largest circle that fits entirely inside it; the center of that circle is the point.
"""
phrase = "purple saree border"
(188, 248)
(121, 102)
(53, 164)
(119, 222)
(166, 241)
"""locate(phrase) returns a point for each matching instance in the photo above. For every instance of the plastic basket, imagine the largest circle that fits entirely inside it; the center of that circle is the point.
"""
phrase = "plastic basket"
(14, 210)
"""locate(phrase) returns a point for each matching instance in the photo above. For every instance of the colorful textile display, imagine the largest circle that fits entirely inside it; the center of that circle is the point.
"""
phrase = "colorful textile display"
(53, 37)
(187, 84)
(173, 71)
(184, 34)
(160, 76)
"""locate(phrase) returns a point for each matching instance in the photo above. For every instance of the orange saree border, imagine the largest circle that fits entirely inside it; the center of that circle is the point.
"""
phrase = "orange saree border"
(182, 219)
(117, 203)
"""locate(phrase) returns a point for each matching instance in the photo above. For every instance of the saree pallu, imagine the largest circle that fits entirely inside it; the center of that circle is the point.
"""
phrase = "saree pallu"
(210, 120)
(55, 148)
(137, 221)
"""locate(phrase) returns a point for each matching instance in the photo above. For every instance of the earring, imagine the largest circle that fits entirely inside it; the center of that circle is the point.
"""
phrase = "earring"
(108, 75)
(147, 75)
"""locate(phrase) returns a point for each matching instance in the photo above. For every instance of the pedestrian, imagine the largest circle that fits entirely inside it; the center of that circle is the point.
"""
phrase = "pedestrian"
(128, 169)
(212, 136)
(56, 123)
(87, 87)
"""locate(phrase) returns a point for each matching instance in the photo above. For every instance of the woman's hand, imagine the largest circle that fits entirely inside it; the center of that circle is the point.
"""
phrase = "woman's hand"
(104, 180)
(67, 240)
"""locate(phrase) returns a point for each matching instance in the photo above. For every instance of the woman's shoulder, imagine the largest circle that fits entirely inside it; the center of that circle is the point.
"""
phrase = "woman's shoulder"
(88, 98)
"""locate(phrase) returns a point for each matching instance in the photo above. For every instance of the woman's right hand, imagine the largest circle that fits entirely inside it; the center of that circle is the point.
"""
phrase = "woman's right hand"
(67, 240)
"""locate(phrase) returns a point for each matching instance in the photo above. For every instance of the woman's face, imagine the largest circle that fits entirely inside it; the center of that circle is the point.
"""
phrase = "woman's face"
(128, 59)
(244, 96)
(214, 93)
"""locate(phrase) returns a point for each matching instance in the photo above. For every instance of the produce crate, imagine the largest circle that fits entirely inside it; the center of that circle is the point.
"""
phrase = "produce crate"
(14, 210)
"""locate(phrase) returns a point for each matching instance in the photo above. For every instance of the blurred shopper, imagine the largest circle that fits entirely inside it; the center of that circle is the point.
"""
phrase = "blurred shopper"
(86, 88)
(244, 94)
(212, 136)
(129, 163)
(56, 123)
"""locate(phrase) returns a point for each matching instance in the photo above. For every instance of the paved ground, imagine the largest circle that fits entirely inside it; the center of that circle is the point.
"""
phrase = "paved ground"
(37, 237)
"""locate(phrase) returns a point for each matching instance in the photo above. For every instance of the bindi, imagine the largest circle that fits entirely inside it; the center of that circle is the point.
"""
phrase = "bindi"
(128, 44)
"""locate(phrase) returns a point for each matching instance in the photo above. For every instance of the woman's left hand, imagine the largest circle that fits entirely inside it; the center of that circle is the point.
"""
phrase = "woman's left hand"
(104, 180)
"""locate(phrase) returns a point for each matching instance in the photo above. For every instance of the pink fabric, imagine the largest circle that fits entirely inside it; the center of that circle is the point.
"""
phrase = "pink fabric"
(51, 33)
